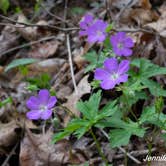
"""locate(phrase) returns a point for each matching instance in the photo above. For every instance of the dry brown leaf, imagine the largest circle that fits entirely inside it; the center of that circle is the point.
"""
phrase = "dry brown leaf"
(145, 4)
(44, 50)
(28, 33)
(142, 16)
(38, 150)
(160, 25)
(8, 135)
(83, 88)
(121, 3)
(50, 66)
(8, 39)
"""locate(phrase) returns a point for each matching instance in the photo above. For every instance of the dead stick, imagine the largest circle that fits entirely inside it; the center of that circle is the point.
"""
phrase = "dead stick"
(9, 156)
(27, 45)
(122, 149)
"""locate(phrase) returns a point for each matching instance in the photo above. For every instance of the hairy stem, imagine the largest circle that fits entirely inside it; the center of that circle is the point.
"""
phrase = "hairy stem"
(99, 147)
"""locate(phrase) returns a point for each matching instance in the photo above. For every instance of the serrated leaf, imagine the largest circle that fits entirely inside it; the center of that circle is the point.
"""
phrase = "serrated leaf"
(57, 137)
(95, 60)
(108, 110)
(4, 5)
(119, 137)
(154, 88)
(150, 115)
(20, 62)
(90, 108)
(148, 69)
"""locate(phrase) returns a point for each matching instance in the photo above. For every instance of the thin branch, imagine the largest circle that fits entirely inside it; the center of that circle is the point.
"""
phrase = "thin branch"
(69, 50)
(27, 45)
(53, 15)
(37, 25)
(132, 30)
(9, 156)
(71, 64)
(121, 149)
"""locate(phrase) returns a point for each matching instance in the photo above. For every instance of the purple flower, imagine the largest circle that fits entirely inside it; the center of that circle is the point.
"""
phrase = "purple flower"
(97, 32)
(122, 44)
(85, 22)
(41, 106)
(113, 73)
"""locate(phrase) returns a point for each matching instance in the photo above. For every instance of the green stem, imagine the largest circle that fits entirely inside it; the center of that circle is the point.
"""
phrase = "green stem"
(129, 109)
(99, 147)
(149, 151)
(125, 158)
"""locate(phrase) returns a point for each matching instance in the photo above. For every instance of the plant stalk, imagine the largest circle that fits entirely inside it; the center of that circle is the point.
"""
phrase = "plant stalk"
(99, 147)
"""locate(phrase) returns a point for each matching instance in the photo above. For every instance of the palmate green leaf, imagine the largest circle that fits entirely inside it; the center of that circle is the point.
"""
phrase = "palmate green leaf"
(119, 137)
(150, 116)
(20, 62)
(94, 60)
(108, 110)
(148, 69)
(122, 131)
(4, 5)
(89, 108)
(57, 137)
(154, 88)
(77, 126)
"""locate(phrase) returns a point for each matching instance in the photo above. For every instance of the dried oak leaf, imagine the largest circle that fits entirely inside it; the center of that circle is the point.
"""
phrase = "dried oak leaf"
(160, 25)
(38, 150)
(44, 50)
(83, 88)
(50, 66)
(8, 39)
(28, 33)
(8, 136)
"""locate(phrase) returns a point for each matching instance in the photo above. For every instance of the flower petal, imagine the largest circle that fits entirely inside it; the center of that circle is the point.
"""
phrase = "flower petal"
(101, 74)
(33, 103)
(92, 38)
(44, 96)
(127, 52)
(51, 102)
(35, 114)
(114, 41)
(128, 42)
(111, 64)
(46, 114)
(121, 36)
(123, 67)
(108, 84)
(122, 78)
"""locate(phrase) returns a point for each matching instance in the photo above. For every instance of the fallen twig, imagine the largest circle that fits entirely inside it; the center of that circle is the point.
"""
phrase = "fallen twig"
(27, 45)
(122, 149)
(9, 156)
(37, 25)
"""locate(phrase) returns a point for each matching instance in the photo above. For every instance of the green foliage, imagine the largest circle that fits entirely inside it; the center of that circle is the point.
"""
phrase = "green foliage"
(95, 60)
(5, 101)
(40, 82)
(143, 77)
(20, 62)
(91, 116)
(77, 10)
(151, 116)
(122, 130)
(147, 69)
(37, 5)
(109, 27)
(4, 5)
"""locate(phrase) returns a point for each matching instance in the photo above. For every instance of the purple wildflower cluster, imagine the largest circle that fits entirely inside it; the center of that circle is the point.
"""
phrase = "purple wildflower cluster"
(113, 73)
(121, 44)
(41, 106)
(95, 30)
